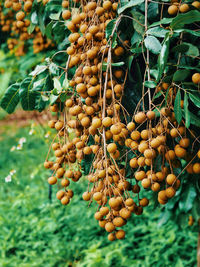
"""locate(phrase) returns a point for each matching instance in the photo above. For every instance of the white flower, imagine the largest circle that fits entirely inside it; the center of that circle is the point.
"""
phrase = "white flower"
(22, 140)
(47, 135)
(8, 179)
(31, 132)
(12, 172)
(19, 147)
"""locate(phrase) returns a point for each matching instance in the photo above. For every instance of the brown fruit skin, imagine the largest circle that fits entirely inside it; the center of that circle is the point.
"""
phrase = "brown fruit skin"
(125, 213)
(111, 148)
(151, 115)
(111, 237)
(65, 200)
(119, 222)
(162, 195)
(140, 117)
(98, 216)
(170, 192)
(136, 189)
(120, 234)
(180, 152)
(20, 15)
(109, 227)
(196, 4)
(65, 182)
(97, 196)
(196, 78)
(198, 154)
(104, 211)
(196, 168)
(52, 180)
(146, 183)
(171, 178)
(144, 202)
(66, 14)
(86, 196)
(173, 10)
(184, 142)
(60, 194)
(184, 8)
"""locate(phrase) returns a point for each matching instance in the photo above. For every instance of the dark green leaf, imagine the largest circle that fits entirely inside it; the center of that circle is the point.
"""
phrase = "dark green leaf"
(10, 98)
(187, 198)
(182, 48)
(162, 21)
(194, 120)
(27, 95)
(48, 30)
(152, 44)
(180, 75)
(138, 22)
(177, 107)
(181, 19)
(162, 59)
(195, 33)
(186, 111)
(195, 98)
(130, 4)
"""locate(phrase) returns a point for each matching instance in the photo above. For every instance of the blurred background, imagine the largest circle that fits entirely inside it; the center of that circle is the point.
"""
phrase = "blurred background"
(36, 230)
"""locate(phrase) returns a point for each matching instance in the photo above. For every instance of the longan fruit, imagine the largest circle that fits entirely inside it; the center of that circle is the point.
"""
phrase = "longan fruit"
(125, 213)
(48, 164)
(111, 237)
(52, 180)
(65, 182)
(170, 192)
(171, 178)
(136, 188)
(172, 10)
(140, 175)
(180, 152)
(155, 187)
(114, 203)
(66, 14)
(162, 195)
(140, 117)
(196, 4)
(109, 227)
(129, 202)
(60, 194)
(144, 202)
(28, 6)
(104, 211)
(107, 122)
(146, 183)
(59, 125)
(111, 148)
(133, 163)
(196, 168)
(69, 174)
(198, 154)
(151, 115)
(70, 193)
(135, 135)
(131, 126)
(65, 200)
(196, 78)
(107, 5)
(119, 221)
(60, 172)
(20, 15)
(86, 196)
(150, 153)
(97, 196)
(184, 142)
(119, 51)
(184, 8)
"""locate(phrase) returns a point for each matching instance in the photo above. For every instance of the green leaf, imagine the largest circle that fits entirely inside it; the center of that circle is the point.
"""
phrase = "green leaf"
(110, 28)
(162, 59)
(55, 16)
(157, 95)
(10, 98)
(187, 18)
(27, 95)
(181, 48)
(138, 22)
(192, 50)
(195, 33)
(162, 21)
(187, 198)
(157, 31)
(177, 107)
(180, 75)
(186, 111)
(31, 28)
(195, 98)
(129, 4)
(48, 30)
(39, 69)
(150, 84)
(41, 22)
(152, 44)
(194, 120)
(34, 18)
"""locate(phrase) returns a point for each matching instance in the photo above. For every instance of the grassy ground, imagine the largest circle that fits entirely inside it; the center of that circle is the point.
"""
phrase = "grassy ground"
(36, 232)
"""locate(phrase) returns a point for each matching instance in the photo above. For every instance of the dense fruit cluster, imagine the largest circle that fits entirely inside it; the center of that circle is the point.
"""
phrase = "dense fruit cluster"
(177, 7)
(153, 143)
(15, 23)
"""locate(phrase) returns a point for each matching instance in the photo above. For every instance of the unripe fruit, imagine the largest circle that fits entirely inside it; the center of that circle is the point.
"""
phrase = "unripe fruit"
(109, 227)
(171, 178)
(120, 234)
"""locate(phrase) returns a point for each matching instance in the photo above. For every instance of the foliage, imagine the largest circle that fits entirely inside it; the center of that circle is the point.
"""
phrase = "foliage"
(36, 232)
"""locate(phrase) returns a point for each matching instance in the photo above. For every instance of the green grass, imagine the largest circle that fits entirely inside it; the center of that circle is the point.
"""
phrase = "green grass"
(35, 232)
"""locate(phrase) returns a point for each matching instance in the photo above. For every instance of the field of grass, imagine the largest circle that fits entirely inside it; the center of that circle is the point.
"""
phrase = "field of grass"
(37, 232)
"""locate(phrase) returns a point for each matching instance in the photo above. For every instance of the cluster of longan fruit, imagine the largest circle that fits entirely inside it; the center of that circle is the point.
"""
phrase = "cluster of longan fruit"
(177, 7)
(18, 25)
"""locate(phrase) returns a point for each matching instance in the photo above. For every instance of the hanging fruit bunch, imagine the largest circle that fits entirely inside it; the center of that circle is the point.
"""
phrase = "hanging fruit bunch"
(16, 24)
(133, 149)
